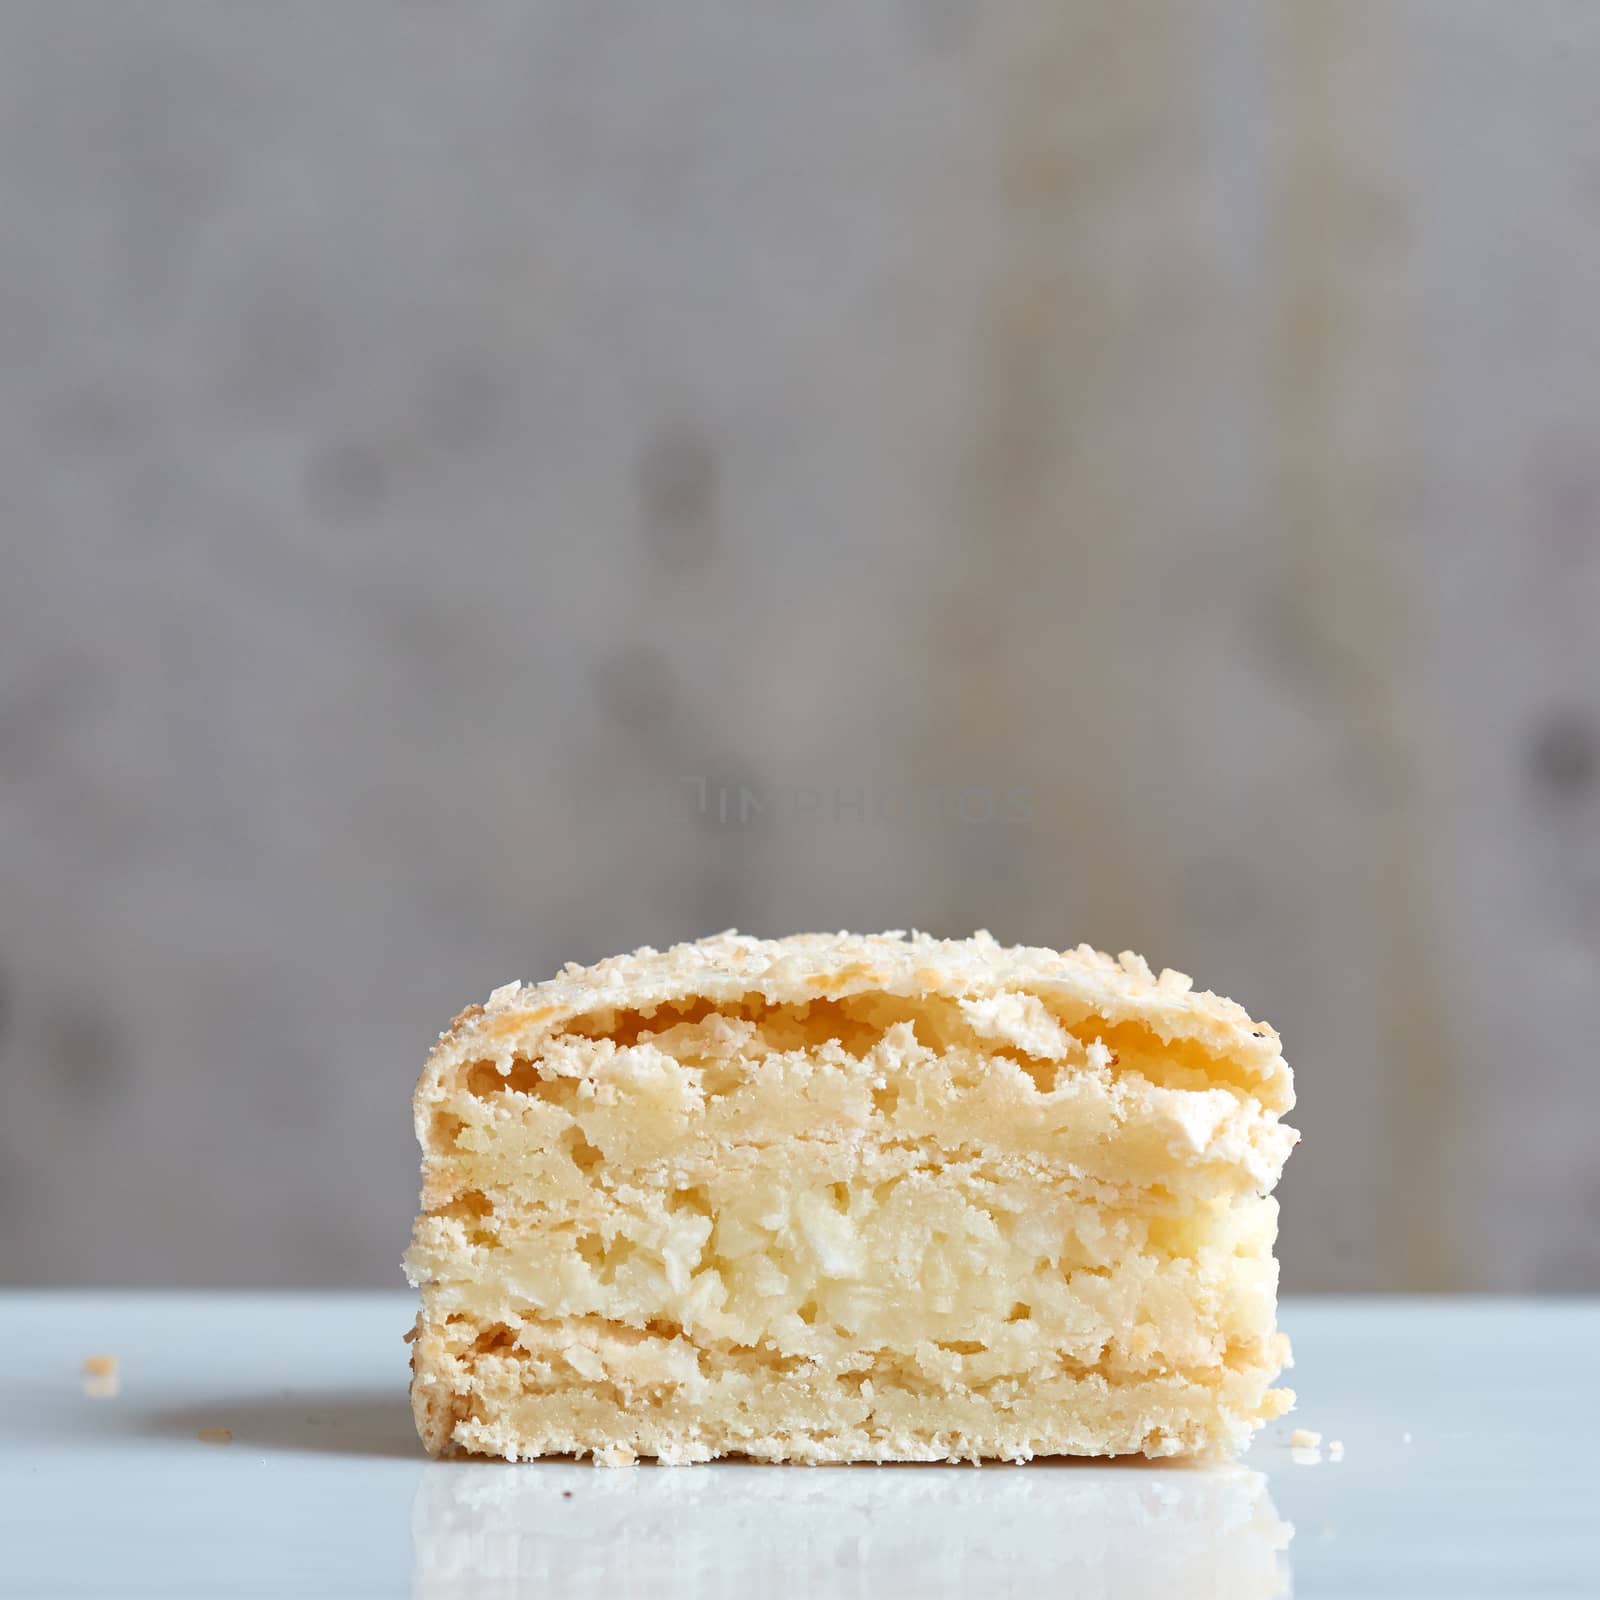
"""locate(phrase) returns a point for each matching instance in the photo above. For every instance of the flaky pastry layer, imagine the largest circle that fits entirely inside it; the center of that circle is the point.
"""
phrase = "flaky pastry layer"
(762, 1199)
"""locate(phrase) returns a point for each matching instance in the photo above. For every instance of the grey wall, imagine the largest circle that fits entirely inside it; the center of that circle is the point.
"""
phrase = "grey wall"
(1150, 452)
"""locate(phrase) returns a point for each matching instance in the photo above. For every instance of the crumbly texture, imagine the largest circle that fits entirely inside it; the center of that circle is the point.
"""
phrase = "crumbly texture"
(833, 1198)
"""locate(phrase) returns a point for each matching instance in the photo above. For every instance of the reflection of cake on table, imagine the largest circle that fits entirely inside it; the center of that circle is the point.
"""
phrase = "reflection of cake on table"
(1093, 1531)
(849, 1199)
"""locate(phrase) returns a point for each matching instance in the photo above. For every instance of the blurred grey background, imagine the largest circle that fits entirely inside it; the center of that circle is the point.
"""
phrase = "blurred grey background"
(1111, 472)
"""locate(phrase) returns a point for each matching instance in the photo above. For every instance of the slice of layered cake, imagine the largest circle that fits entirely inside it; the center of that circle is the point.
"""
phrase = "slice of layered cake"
(831, 1198)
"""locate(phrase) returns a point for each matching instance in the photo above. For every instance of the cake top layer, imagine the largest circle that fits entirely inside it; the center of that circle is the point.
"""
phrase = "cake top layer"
(730, 967)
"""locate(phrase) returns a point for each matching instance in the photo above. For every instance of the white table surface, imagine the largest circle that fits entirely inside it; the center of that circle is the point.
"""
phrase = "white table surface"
(1471, 1467)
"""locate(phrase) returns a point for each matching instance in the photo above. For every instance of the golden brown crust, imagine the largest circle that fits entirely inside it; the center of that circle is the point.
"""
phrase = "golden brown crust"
(727, 967)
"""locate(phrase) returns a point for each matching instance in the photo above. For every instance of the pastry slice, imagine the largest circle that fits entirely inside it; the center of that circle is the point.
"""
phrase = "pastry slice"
(831, 1198)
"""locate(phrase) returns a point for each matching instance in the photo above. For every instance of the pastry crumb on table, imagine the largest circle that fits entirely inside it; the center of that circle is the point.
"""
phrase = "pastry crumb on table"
(100, 1377)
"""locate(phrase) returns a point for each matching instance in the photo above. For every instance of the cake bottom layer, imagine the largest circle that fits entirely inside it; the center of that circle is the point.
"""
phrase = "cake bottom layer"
(555, 1388)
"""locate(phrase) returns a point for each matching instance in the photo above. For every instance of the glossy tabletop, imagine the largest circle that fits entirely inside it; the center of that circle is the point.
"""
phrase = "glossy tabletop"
(1470, 1466)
